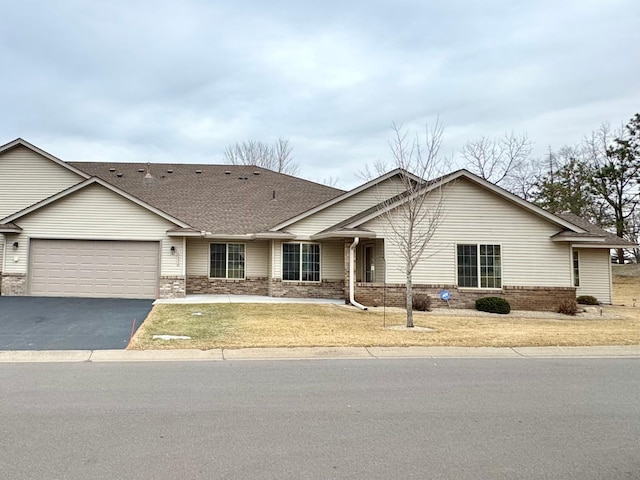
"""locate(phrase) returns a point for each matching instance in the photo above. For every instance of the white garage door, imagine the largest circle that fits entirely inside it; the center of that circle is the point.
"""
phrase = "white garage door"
(93, 268)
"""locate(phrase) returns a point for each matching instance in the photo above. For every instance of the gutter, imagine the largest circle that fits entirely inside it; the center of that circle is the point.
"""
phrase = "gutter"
(352, 255)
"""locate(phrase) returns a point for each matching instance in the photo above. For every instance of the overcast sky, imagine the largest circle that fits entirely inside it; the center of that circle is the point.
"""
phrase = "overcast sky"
(178, 81)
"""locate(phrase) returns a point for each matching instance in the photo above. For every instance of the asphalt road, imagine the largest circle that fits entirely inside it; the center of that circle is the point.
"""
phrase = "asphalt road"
(322, 419)
(60, 323)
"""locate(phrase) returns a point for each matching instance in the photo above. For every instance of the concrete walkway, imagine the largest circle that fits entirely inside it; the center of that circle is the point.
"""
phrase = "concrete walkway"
(244, 299)
(307, 353)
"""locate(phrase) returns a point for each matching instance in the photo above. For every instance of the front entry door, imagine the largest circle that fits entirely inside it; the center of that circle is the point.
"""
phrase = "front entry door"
(369, 264)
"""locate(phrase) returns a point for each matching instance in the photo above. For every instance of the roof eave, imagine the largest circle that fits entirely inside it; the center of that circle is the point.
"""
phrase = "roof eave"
(607, 245)
(10, 229)
(573, 239)
(274, 235)
(343, 234)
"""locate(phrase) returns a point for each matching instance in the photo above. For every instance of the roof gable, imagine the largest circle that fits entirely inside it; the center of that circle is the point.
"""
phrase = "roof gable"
(377, 210)
(344, 196)
(21, 142)
(90, 181)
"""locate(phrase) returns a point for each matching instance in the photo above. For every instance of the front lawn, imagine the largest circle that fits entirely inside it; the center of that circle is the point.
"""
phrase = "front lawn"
(287, 325)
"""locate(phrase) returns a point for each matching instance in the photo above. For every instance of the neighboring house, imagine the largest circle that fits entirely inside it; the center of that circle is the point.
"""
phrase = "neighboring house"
(166, 230)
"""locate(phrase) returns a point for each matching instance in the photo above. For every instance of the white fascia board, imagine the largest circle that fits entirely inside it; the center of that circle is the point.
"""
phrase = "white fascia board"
(226, 236)
(183, 234)
(274, 235)
(560, 238)
(342, 197)
(352, 234)
(86, 183)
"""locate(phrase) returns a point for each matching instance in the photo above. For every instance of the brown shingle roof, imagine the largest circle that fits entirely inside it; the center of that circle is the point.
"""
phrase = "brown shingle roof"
(222, 199)
(594, 230)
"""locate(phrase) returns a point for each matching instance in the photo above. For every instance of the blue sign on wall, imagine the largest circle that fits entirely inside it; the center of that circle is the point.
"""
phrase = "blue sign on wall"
(445, 295)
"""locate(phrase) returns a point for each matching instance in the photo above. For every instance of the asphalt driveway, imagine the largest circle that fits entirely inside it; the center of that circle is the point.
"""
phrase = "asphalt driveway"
(55, 323)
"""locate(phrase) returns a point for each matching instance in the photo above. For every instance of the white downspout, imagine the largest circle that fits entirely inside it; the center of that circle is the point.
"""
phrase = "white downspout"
(352, 256)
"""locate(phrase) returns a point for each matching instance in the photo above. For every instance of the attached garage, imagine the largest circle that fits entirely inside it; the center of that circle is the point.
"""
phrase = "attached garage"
(94, 268)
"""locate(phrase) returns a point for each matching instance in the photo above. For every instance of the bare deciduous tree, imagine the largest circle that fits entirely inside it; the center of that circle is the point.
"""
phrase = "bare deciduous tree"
(497, 160)
(415, 214)
(277, 157)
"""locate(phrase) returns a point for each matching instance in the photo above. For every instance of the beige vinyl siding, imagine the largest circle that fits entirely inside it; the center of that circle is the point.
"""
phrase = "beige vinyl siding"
(346, 208)
(27, 177)
(96, 213)
(595, 274)
(332, 260)
(276, 255)
(256, 256)
(473, 215)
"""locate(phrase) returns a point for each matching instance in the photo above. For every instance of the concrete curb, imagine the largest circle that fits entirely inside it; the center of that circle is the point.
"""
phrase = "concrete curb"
(16, 356)
(315, 353)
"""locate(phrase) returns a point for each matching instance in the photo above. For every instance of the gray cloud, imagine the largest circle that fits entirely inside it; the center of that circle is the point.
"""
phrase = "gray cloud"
(178, 81)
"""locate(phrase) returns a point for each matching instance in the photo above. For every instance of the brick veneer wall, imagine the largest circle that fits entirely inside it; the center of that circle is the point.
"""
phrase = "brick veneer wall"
(172, 287)
(205, 285)
(14, 284)
(520, 298)
(323, 289)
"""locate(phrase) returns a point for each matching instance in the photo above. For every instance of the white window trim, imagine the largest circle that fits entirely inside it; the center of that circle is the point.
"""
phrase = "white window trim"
(573, 270)
(282, 262)
(477, 244)
(244, 277)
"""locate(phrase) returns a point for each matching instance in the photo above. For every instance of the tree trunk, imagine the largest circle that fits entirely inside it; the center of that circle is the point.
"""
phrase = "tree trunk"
(621, 256)
(409, 301)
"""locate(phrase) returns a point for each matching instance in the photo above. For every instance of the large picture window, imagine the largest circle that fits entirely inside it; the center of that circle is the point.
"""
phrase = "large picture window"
(226, 260)
(479, 266)
(301, 262)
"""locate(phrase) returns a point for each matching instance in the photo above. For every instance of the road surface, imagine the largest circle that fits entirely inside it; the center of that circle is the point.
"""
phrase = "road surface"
(322, 419)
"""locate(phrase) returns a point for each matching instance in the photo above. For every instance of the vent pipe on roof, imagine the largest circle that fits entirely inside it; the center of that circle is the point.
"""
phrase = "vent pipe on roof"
(112, 169)
(227, 172)
(148, 175)
(119, 174)
(198, 172)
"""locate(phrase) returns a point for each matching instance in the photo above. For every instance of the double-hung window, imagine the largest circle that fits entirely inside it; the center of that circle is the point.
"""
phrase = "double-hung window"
(301, 262)
(479, 266)
(576, 268)
(226, 260)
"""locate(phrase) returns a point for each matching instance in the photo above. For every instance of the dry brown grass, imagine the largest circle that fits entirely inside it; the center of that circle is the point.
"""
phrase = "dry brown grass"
(288, 325)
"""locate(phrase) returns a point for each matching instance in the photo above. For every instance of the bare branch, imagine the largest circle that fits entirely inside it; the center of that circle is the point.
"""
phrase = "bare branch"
(413, 216)
(277, 157)
(497, 160)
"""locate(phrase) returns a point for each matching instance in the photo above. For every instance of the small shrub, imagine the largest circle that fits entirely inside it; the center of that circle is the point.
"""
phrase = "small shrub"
(587, 300)
(568, 307)
(493, 305)
(421, 303)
